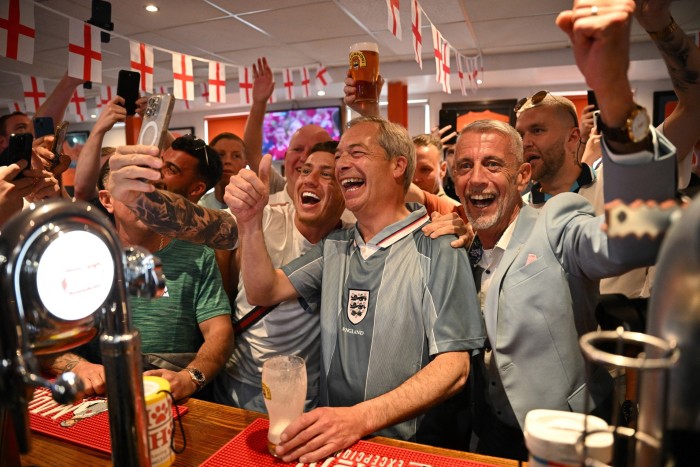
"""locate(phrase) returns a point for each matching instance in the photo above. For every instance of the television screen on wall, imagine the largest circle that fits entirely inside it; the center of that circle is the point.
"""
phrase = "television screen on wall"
(280, 125)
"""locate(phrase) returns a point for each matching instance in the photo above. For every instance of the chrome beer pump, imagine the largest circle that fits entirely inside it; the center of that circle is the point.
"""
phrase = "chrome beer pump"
(63, 278)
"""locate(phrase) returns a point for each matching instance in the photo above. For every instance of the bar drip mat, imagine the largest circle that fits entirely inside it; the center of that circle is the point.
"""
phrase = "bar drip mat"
(64, 422)
(249, 449)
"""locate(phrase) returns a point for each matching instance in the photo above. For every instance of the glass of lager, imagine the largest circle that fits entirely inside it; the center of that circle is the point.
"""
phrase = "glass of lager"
(364, 68)
(284, 390)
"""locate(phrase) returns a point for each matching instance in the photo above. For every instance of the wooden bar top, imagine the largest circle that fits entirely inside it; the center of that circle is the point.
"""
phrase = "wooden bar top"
(208, 427)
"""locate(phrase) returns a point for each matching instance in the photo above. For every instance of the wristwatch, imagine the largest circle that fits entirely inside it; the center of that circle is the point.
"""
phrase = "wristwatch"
(634, 130)
(197, 377)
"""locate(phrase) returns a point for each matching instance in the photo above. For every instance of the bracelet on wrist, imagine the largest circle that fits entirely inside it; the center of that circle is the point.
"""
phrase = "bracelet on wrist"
(665, 32)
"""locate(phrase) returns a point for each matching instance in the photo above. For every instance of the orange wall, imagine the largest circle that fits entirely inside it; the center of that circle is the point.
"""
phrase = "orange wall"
(235, 125)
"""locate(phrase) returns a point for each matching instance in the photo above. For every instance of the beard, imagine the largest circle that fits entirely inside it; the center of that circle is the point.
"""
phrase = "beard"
(551, 161)
(487, 220)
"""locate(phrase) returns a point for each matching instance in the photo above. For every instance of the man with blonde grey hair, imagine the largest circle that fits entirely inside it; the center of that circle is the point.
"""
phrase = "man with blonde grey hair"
(398, 310)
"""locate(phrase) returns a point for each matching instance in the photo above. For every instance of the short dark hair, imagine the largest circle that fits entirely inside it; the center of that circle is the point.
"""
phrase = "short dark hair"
(325, 146)
(5, 118)
(227, 135)
(209, 167)
(102, 176)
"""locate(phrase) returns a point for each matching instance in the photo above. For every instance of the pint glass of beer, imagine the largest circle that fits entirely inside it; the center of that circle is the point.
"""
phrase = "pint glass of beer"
(364, 68)
(284, 390)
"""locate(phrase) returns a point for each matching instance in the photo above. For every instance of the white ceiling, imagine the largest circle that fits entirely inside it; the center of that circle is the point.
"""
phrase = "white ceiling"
(520, 43)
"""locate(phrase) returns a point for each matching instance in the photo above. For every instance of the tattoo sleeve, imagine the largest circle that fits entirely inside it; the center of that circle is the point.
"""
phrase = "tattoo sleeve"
(676, 49)
(60, 364)
(174, 216)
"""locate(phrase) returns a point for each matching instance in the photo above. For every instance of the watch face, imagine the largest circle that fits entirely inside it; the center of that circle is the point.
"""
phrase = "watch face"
(640, 125)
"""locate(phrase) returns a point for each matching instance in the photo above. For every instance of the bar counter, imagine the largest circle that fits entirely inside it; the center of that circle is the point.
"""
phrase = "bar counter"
(208, 427)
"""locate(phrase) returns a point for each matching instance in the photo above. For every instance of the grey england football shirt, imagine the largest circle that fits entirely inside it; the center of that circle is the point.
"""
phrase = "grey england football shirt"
(387, 306)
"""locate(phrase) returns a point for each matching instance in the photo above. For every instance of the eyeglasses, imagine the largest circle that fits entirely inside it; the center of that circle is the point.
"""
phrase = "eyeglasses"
(537, 99)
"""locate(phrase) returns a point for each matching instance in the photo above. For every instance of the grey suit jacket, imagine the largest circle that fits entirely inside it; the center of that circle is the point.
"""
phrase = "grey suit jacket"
(545, 290)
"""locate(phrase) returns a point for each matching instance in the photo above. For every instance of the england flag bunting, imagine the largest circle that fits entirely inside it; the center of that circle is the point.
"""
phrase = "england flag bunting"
(416, 25)
(142, 61)
(16, 107)
(217, 82)
(34, 92)
(323, 78)
(288, 81)
(437, 49)
(107, 93)
(393, 18)
(446, 67)
(17, 30)
(245, 84)
(183, 78)
(84, 51)
(460, 74)
(204, 90)
(305, 81)
(78, 105)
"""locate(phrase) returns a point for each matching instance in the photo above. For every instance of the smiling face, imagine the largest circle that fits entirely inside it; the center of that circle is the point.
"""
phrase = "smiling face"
(488, 179)
(299, 147)
(318, 199)
(368, 179)
(232, 157)
(548, 135)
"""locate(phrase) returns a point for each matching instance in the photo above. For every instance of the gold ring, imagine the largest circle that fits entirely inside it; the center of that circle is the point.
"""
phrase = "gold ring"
(594, 10)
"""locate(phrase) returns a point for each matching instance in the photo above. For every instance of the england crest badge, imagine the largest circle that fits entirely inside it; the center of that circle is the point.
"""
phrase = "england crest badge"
(358, 301)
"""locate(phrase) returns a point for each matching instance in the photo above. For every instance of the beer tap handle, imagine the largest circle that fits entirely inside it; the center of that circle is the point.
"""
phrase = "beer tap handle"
(143, 273)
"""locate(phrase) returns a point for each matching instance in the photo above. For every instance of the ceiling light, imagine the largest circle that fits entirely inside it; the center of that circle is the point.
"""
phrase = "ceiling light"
(151, 8)
(321, 92)
(478, 81)
(93, 116)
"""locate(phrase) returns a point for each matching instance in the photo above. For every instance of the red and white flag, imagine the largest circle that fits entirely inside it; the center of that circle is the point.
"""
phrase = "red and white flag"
(323, 78)
(289, 83)
(437, 49)
(460, 73)
(142, 61)
(393, 23)
(34, 93)
(416, 25)
(17, 30)
(245, 84)
(107, 93)
(84, 51)
(446, 67)
(305, 81)
(78, 105)
(204, 90)
(16, 107)
(183, 78)
(217, 82)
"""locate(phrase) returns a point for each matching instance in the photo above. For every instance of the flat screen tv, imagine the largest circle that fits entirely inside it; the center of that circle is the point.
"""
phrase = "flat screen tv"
(280, 125)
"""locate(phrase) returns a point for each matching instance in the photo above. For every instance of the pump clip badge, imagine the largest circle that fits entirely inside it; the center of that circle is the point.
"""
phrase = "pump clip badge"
(358, 301)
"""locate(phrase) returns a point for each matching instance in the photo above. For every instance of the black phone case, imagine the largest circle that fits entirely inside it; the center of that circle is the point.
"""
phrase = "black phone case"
(20, 147)
(43, 126)
(128, 88)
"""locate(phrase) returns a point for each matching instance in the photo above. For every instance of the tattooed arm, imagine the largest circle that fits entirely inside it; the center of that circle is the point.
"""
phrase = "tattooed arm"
(132, 169)
(175, 216)
(682, 59)
(92, 375)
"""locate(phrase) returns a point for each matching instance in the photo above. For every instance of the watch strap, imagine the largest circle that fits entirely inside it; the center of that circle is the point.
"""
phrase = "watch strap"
(620, 134)
(197, 377)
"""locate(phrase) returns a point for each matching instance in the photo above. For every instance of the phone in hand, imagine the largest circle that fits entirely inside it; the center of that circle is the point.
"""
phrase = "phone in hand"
(58, 139)
(592, 100)
(43, 126)
(128, 89)
(20, 147)
(156, 119)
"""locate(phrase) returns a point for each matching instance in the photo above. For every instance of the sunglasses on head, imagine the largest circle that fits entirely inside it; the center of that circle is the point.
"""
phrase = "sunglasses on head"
(538, 97)
(199, 144)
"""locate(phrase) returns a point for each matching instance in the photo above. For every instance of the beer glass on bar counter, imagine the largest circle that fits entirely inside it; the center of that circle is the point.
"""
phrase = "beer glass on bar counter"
(284, 391)
(364, 68)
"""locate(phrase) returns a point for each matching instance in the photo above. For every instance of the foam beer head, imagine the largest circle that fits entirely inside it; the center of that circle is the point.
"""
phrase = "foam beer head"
(364, 68)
